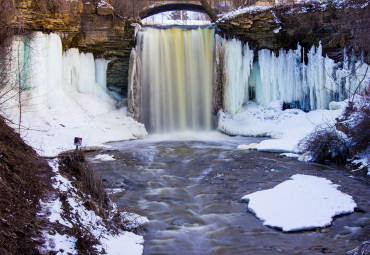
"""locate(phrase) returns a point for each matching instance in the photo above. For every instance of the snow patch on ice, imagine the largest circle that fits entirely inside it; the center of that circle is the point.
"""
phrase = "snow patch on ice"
(304, 202)
(250, 146)
(104, 157)
(290, 155)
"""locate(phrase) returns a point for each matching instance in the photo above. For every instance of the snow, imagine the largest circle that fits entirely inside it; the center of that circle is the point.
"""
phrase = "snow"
(121, 245)
(65, 97)
(64, 244)
(104, 157)
(286, 128)
(240, 11)
(110, 242)
(166, 19)
(304, 202)
(104, 4)
(290, 155)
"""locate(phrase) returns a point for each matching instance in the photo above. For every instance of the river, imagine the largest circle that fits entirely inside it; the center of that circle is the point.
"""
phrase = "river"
(191, 190)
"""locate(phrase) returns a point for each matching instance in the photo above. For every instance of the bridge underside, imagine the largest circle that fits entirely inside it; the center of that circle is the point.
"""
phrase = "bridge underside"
(171, 7)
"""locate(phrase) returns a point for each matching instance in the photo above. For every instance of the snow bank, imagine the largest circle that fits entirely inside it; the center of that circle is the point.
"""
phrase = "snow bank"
(247, 9)
(286, 128)
(111, 241)
(64, 96)
(305, 202)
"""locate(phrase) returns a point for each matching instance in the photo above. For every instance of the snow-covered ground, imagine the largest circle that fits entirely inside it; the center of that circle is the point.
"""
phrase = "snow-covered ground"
(304, 202)
(322, 4)
(286, 128)
(111, 241)
(51, 132)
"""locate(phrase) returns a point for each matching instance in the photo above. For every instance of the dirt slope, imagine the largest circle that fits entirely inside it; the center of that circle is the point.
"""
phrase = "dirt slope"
(24, 179)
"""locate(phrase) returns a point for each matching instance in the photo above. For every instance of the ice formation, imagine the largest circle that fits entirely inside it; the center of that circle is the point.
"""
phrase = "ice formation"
(49, 73)
(237, 65)
(63, 95)
(286, 77)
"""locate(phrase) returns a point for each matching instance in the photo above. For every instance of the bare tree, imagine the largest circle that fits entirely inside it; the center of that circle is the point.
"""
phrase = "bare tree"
(211, 12)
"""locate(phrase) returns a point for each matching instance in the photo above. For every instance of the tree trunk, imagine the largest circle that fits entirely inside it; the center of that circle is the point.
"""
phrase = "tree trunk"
(211, 13)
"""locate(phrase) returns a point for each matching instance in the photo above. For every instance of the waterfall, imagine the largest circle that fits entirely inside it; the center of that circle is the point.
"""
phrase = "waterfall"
(171, 79)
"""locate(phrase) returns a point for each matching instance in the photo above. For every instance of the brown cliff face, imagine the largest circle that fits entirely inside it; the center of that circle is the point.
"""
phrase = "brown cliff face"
(85, 26)
(280, 27)
(256, 28)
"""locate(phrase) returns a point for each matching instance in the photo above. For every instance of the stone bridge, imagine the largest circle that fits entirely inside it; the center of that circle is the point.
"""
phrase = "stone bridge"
(158, 6)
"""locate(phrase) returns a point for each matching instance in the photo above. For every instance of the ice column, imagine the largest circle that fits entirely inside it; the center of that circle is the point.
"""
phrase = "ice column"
(50, 78)
(306, 86)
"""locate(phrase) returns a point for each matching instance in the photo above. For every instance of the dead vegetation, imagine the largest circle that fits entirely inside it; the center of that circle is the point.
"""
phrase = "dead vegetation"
(347, 139)
(75, 164)
(24, 180)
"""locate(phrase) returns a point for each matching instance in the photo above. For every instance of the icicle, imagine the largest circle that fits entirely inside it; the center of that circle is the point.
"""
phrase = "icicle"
(237, 66)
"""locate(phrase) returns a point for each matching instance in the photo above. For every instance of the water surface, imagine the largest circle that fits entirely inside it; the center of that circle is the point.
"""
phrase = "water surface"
(191, 190)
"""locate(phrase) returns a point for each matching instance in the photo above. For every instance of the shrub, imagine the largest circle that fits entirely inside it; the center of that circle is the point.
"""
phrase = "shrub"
(358, 130)
(75, 164)
(347, 139)
(325, 144)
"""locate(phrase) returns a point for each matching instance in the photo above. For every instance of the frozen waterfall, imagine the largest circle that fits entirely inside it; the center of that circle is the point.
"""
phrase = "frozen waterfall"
(286, 77)
(171, 79)
(51, 78)
(237, 66)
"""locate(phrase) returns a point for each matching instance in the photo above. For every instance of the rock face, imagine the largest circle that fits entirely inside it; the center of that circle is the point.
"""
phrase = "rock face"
(279, 27)
(88, 27)
(256, 27)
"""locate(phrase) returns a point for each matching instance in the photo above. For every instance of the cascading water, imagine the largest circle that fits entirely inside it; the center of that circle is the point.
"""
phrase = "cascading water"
(171, 78)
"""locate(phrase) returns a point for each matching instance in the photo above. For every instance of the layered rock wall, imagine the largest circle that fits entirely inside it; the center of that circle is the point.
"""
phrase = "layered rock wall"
(283, 27)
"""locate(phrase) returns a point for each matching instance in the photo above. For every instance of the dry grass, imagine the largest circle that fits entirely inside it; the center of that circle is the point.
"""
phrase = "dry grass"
(88, 180)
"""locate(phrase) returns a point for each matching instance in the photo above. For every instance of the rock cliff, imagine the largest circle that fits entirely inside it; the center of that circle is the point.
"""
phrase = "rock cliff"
(284, 26)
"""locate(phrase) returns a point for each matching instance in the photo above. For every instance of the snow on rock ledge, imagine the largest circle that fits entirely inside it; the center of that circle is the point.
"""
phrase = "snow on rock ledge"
(304, 202)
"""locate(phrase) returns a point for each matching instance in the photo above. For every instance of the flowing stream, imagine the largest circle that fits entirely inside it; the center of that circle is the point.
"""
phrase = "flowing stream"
(191, 190)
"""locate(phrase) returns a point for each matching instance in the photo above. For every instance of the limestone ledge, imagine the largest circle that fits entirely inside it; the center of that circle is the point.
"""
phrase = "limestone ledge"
(273, 29)
(87, 27)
